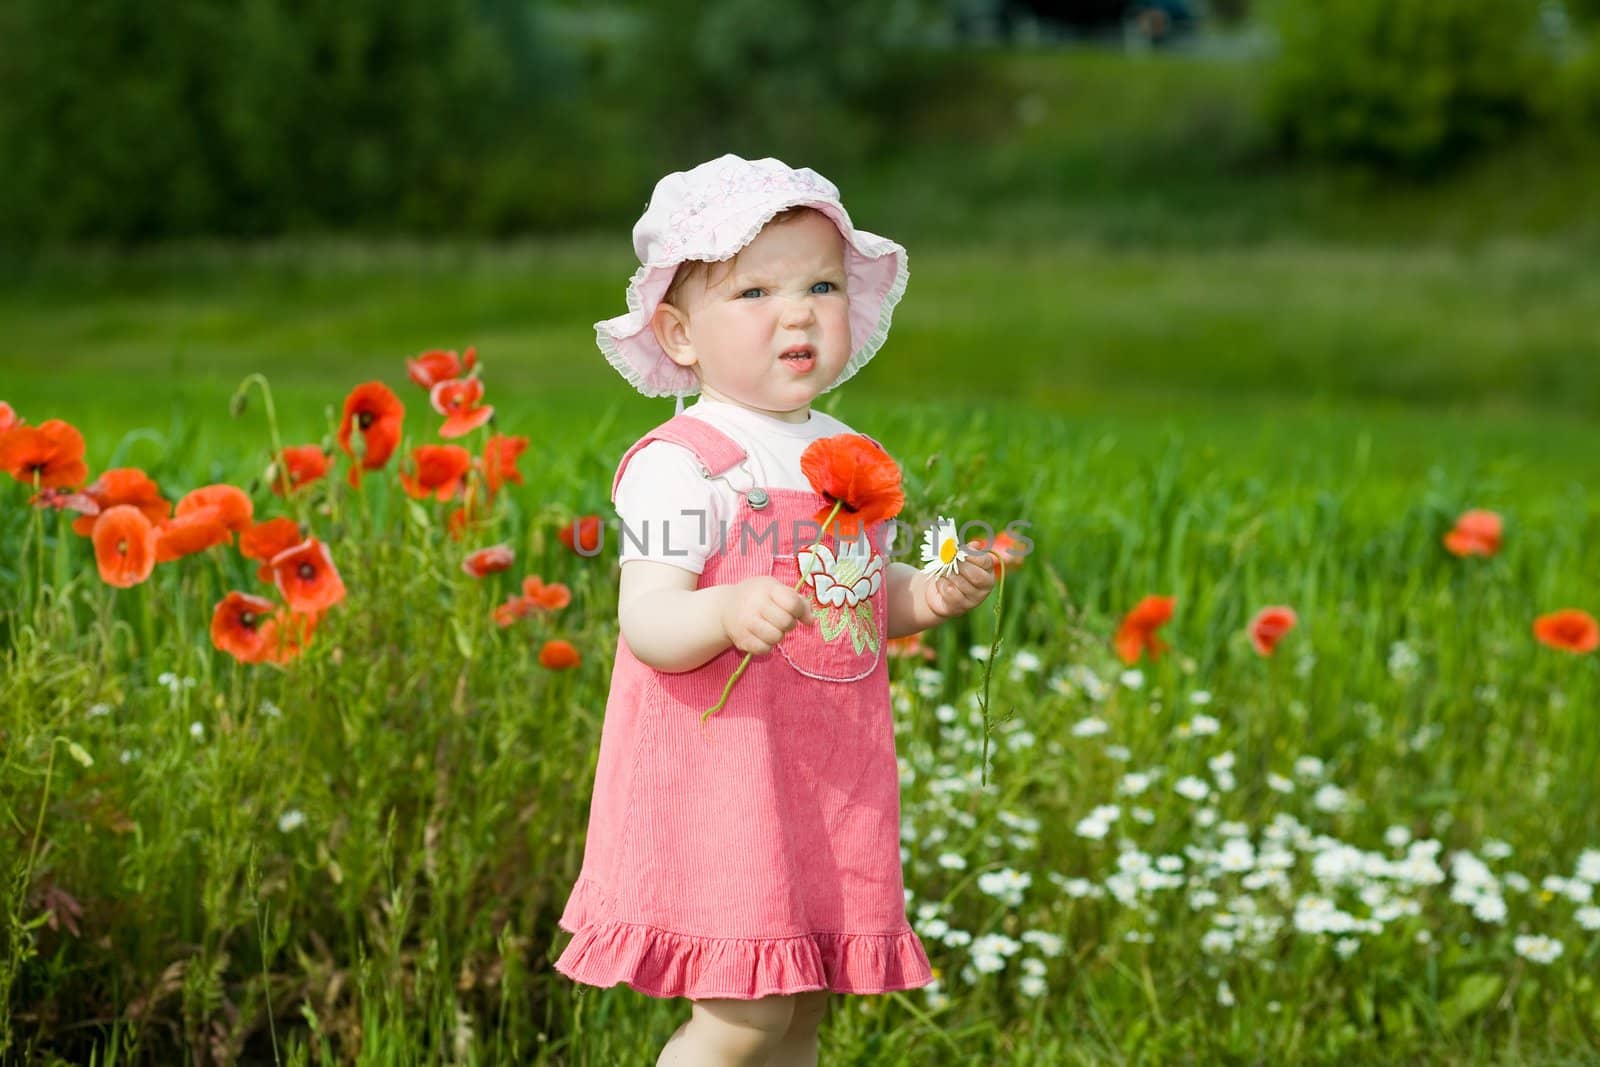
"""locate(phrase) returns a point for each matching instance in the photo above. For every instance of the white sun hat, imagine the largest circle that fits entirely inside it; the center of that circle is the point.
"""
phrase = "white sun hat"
(709, 213)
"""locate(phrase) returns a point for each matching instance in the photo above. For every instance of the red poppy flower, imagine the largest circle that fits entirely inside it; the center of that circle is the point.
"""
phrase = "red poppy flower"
(500, 460)
(437, 471)
(581, 535)
(124, 485)
(306, 577)
(51, 452)
(558, 656)
(1269, 626)
(439, 365)
(124, 546)
(536, 596)
(9, 420)
(376, 413)
(1569, 630)
(487, 561)
(1476, 533)
(193, 531)
(909, 646)
(302, 465)
(552, 597)
(849, 469)
(1007, 551)
(233, 505)
(245, 627)
(457, 400)
(511, 611)
(267, 539)
(1137, 634)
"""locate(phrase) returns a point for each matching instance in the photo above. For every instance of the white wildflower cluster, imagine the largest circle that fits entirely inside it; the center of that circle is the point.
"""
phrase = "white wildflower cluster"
(1090, 727)
(1403, 661)
(174, 684)
(1537, 948)
(1248, 882)
(928, 681)
(1024, 663)
(1097, 823)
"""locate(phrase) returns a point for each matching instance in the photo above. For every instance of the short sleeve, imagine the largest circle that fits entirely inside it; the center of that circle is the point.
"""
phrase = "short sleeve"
(669, 511)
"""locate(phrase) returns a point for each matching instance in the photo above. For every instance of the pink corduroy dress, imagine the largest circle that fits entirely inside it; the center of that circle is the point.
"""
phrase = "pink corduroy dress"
(758, 855)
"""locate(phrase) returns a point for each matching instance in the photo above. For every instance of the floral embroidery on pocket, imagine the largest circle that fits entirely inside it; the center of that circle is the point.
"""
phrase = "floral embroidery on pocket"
(843, 585)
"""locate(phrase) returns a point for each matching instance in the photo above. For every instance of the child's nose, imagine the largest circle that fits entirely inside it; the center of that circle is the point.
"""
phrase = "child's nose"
(798, 310)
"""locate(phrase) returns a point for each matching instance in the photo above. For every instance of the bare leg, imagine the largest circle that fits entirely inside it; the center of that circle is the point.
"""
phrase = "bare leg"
(799, 1045)
(729, 1033)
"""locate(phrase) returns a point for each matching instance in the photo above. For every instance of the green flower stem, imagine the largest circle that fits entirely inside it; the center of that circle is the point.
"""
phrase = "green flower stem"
(280, 472)
(988, 666)
(705, 716)
(36, 528)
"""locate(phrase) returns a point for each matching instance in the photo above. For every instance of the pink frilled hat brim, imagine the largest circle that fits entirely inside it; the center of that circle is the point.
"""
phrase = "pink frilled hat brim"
(711, 221)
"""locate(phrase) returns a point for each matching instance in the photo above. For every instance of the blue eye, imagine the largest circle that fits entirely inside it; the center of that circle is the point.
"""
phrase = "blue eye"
(747, 292)
(830, 287)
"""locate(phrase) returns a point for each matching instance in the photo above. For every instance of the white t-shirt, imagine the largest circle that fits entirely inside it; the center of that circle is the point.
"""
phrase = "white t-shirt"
(662, 488)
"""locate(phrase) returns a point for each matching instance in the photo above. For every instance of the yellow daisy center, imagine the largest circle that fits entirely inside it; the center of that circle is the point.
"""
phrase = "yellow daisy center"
(947, 550)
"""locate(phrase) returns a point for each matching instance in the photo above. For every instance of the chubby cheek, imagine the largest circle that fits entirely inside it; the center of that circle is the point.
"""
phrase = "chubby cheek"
(836, 329)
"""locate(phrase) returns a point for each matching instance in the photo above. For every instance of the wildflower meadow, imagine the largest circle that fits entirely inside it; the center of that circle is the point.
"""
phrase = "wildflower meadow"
(1244, 766)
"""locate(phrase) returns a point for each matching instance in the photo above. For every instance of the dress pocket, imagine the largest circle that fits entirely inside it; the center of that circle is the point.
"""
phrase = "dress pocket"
(848, 599)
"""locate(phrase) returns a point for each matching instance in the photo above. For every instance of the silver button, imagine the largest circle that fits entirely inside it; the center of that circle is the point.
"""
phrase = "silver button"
(757, 498)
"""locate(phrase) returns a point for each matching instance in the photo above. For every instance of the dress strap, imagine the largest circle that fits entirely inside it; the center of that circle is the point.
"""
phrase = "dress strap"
(716, 452)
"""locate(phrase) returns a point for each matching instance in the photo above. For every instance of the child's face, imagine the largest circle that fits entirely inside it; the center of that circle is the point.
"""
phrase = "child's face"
(786, 292)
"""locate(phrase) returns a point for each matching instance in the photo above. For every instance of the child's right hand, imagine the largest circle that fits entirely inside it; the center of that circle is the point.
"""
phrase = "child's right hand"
(759, 611)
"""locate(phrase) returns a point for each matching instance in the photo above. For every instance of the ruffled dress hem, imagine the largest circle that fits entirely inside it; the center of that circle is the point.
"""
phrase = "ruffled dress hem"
(664, 963)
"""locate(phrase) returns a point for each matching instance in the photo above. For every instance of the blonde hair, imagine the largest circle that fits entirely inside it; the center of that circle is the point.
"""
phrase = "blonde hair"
(700, 269)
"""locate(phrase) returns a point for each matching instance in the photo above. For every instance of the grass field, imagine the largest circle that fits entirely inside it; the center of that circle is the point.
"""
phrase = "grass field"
(1275, 424)
(1236, 387)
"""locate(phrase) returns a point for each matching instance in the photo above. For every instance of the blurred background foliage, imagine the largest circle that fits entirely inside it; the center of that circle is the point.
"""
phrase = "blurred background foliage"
(127, 123)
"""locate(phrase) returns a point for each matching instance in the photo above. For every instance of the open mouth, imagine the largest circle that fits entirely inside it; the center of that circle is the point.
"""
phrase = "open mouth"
(800, 357)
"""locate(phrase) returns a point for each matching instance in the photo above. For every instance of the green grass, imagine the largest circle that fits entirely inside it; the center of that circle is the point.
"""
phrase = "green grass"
(436, 766)
(1068, 327)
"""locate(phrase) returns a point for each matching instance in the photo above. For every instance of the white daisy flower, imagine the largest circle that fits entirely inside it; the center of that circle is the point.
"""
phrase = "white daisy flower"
(1331, 798)
(1308, 767)
(941, 548)
(1495, 849)
(1538, 948)
(1045, 942)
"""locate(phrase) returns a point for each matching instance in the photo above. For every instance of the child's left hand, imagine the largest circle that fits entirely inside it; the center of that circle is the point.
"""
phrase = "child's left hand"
(966, 589)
